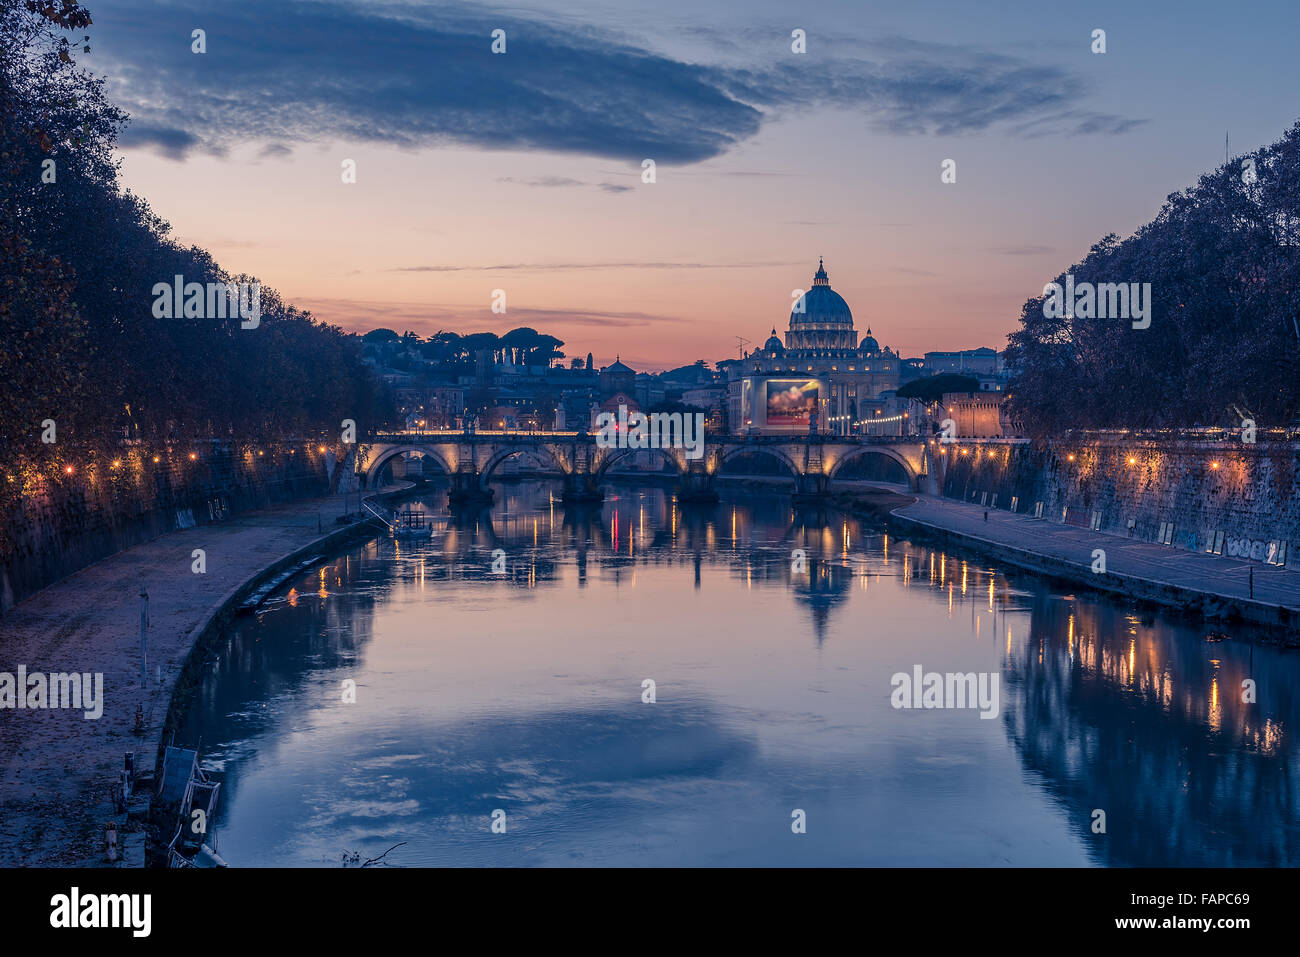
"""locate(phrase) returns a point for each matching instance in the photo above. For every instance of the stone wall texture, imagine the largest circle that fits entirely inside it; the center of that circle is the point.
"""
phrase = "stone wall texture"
(64, 526)
(1248, 492)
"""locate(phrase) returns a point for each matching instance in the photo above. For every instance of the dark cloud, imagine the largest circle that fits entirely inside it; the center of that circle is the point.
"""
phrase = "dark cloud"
(417, 76)
(171, 142)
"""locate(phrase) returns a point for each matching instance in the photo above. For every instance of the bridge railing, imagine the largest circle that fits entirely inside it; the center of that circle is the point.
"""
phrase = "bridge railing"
(411, 435)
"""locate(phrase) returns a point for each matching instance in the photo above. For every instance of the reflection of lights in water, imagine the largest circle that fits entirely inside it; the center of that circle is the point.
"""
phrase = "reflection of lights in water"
(963, 579)
(1269, 738)
(990, 591)
(886, 549)
(943, 569)
(1216, 714)
(1008, 640)
(293, 597)
(932, 566)
(1132, 659)
(950, 601)
(1069, 639)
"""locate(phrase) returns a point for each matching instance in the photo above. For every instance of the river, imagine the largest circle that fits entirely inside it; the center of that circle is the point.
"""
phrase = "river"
(502, 715)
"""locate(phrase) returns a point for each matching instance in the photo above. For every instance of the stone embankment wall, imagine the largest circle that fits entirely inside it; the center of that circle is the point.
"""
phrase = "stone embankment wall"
(1233, 498)
(63, 526)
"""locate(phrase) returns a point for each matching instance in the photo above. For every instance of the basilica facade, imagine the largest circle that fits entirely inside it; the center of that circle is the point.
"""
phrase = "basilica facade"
(821, 378)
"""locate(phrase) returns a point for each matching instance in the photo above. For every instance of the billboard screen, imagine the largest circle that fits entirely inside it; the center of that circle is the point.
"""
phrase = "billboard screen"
(791, 401)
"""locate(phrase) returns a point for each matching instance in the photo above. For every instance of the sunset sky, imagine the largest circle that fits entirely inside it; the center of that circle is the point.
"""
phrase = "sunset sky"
(522, 171)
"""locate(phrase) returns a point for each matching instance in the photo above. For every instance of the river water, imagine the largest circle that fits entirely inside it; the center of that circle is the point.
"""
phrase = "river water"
(518, 696)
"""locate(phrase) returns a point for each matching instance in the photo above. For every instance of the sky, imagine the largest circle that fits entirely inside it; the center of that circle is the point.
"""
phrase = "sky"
(522, 171)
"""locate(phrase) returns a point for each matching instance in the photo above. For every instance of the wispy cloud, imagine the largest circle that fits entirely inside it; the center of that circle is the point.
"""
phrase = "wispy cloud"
(562, 267)
(550, 182)
(387, 73)
(1027, 250)
(361, 315)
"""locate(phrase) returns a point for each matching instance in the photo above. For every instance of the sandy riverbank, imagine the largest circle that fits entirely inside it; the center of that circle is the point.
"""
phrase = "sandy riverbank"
(58, 769)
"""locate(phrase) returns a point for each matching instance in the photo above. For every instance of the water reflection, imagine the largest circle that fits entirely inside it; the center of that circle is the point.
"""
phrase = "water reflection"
(482, 687)
(1148, 723)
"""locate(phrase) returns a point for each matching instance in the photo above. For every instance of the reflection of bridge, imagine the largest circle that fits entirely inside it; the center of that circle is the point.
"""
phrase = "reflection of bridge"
(471, 458)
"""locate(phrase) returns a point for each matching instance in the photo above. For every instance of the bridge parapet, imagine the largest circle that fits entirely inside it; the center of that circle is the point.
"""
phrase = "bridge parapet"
(471, 458)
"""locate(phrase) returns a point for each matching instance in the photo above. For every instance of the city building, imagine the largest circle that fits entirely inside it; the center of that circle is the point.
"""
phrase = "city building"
(821, 378)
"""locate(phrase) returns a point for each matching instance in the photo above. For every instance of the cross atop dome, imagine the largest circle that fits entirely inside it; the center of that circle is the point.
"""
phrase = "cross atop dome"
(820, 278)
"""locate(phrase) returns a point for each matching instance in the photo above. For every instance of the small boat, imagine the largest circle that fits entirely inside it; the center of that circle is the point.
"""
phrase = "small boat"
(188, 788)
(412, 524)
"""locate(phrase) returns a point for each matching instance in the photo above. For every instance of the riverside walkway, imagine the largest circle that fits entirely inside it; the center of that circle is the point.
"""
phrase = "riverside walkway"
(58, 769)
(1214, 585)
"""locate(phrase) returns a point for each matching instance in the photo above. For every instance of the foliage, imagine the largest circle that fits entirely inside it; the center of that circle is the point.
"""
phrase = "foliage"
(932, 389)
(79, 258)
(1223, 261)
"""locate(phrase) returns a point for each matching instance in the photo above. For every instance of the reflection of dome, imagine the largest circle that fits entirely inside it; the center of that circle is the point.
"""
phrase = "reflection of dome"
(821, 305)
(773, 344)
(827, 587)
(868, 346)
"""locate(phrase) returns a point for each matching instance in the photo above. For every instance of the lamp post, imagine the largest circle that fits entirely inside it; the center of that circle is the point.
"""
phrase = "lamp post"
(144, 628)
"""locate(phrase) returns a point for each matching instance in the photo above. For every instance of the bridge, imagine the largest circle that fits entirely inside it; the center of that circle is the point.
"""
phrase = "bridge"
(471, 458)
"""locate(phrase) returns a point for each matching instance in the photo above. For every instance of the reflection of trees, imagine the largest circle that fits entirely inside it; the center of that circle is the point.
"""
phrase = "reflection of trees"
(281, 652)
(1149, 726)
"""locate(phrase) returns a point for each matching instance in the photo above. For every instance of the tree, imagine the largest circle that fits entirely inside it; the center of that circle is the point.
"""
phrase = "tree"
(1223, 342)
(79, 259)
(934, 388)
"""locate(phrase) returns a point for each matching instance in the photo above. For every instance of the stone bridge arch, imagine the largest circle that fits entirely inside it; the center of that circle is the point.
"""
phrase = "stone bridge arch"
(388, 453)
(853, 453)
(781, 454)
(498, 455)
(608, 458)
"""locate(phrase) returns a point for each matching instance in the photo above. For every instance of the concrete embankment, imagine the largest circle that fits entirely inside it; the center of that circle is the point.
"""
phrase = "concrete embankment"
(1213, 587)
(58, 768)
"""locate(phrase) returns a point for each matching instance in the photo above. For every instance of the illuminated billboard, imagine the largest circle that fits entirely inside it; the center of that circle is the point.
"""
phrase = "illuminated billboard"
(790, 402)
